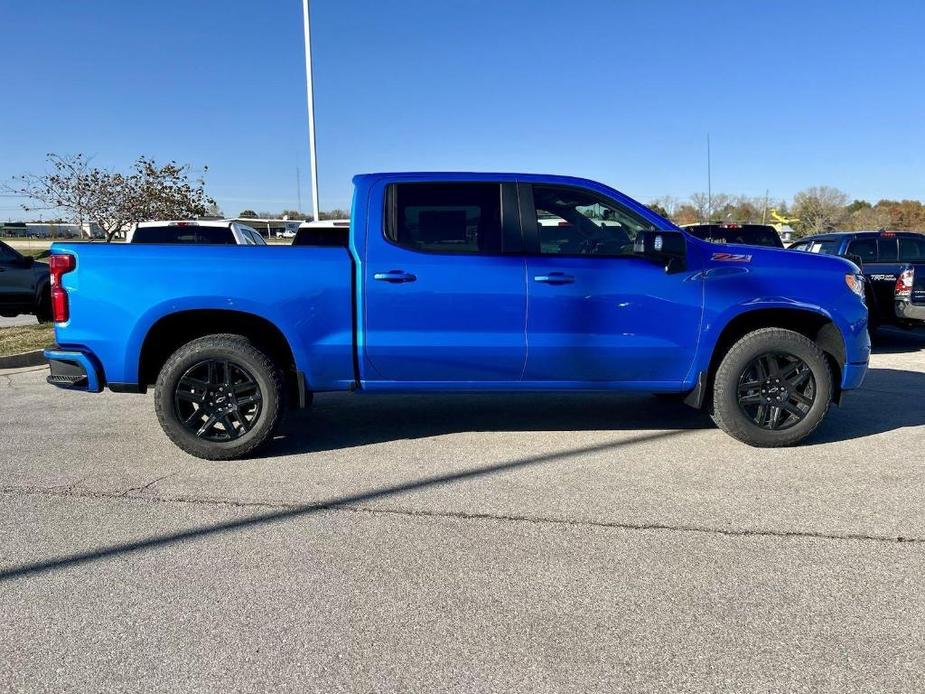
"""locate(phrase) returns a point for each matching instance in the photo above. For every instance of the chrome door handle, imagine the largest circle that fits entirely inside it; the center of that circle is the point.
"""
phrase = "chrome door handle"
(554, 278)
(395, 276)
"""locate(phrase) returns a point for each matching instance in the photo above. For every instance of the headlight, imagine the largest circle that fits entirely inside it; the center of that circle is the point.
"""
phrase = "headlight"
(855, 283)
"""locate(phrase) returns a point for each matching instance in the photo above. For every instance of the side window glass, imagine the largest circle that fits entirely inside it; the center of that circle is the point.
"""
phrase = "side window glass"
(572, 221)
(6, 255)
(887, 250)
(865, 248)
(445, 217)
(912, 250)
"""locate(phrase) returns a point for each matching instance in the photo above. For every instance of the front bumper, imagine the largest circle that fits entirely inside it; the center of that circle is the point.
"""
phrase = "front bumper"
(906, 310)
(73, 370)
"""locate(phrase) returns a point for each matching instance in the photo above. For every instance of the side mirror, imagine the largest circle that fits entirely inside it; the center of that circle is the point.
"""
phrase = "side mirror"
(27, 261)
(668, 248)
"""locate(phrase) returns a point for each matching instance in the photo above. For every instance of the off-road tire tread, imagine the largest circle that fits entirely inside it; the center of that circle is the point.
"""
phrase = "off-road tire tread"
(273, 402)
(734, 423)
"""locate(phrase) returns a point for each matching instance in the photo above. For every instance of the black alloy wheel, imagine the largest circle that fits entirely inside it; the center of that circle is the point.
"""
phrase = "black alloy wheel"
(776, 390)
(218, 400)
(219, 397)
(772, 388)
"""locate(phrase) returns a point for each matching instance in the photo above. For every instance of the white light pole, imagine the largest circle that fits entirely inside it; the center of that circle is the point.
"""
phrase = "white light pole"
(311, 107)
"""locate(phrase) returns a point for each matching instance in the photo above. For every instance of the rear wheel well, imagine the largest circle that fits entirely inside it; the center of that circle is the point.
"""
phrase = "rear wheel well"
(815, 326)
(173, 331)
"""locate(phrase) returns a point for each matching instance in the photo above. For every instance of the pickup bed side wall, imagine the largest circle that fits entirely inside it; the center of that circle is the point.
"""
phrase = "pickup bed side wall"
(117, 293)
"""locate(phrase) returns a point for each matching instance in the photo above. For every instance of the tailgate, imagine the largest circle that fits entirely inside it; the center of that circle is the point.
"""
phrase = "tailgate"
(918, 284)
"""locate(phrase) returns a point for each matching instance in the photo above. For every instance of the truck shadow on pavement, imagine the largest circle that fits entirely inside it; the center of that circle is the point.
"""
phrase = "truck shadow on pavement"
(898, 341)
(340, 420)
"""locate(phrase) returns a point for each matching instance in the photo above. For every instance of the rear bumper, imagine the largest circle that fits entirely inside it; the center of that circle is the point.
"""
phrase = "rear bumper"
(73, 370)
(909, 311)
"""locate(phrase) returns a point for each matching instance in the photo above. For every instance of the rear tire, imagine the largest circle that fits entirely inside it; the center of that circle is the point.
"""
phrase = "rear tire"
(773, 388)
(220, 398)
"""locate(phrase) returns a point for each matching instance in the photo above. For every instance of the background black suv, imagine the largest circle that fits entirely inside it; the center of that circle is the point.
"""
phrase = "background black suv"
(23, 285)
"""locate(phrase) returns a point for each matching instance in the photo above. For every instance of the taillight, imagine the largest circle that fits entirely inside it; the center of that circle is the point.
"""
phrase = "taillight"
(904, 283)
(58, 265)
(855, 283)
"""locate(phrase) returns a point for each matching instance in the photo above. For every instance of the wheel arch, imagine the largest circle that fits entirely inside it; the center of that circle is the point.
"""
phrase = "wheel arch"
(172, 331)
(815, 325)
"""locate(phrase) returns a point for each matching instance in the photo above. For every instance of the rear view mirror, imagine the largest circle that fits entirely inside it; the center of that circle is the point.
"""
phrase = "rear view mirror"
(668, 248)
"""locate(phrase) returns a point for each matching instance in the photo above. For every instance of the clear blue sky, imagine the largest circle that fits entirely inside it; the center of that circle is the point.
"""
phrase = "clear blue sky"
(793, 93)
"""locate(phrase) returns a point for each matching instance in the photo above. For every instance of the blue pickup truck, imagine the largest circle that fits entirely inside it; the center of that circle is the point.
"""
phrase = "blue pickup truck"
(462, 282)
(893, 263)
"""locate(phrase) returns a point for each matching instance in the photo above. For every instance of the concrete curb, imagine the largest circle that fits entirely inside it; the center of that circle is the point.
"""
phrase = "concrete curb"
(17, 361)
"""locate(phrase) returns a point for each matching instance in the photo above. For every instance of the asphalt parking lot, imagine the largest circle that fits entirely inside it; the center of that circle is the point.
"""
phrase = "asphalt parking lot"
(492, 543)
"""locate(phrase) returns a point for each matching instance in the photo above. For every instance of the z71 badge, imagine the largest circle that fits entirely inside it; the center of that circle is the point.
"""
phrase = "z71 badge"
(732, 257)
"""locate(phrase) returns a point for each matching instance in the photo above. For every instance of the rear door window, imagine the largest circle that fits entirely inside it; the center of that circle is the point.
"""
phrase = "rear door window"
(445, 217)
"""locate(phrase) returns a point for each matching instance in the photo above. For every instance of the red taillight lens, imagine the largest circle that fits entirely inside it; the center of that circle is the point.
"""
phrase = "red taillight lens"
(904, 283)
(57, 266)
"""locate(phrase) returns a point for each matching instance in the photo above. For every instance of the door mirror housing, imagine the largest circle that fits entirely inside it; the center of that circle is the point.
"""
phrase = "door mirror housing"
(26, 261)
(668, 248)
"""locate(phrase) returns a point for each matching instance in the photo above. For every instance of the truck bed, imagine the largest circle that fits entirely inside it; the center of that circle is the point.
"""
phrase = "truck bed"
(119, 292)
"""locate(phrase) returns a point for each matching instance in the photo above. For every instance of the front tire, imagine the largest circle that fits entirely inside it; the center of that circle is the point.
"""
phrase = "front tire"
(773, 388)
(219, 397)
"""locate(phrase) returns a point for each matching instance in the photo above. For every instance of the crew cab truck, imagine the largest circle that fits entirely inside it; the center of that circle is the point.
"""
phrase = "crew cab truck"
(450, 282)
(893, 263)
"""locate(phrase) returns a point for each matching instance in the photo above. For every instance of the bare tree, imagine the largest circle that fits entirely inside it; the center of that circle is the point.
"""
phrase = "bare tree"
(820, 208)
(666, 203)
(336, 213)
(113, 200)
(711, 208)
(701, 203)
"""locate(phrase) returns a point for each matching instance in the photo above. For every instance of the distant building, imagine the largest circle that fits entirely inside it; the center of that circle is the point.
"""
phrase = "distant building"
(54, 230)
